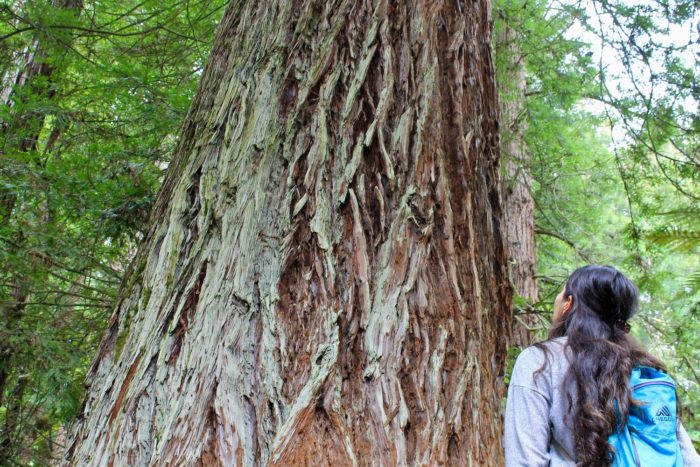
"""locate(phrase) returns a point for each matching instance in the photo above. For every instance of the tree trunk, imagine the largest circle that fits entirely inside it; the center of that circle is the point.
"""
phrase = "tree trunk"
(325, 279)
(519, 205)
(18, 57)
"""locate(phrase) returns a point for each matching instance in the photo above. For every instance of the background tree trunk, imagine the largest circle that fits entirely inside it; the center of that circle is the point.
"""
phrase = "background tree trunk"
(325, 280)
(519, 205)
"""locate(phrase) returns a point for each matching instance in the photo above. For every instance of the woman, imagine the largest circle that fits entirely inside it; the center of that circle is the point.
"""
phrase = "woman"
(565, 393)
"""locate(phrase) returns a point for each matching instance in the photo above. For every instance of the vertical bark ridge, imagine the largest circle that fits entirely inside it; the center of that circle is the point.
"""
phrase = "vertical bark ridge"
(337, 181)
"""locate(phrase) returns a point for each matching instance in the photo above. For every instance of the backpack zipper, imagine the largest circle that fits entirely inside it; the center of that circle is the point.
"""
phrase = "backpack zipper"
(634, 446)
(651, 383)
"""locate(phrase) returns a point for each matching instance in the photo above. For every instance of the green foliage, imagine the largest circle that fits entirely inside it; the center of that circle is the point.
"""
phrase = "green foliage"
(612, 132)
(513, 353)
(84, 143)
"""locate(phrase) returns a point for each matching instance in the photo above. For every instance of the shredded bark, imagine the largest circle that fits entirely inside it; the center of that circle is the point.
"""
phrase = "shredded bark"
(327, 252)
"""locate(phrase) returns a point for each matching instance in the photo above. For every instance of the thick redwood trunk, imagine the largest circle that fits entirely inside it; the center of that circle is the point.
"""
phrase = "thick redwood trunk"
(519, 205)
(325, 280)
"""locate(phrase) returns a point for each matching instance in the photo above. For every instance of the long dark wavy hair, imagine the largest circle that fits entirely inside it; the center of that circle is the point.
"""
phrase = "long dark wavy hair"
(602, 357)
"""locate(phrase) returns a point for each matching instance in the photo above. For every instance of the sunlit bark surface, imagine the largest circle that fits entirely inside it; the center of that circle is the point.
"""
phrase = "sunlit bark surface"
(325, 280)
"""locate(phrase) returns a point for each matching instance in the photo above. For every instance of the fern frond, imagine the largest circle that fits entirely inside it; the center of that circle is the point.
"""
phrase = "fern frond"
(687, 217)
(693, 282)
(680, 240)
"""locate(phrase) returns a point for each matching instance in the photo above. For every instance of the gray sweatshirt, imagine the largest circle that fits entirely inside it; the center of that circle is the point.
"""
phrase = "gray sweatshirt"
(536, 428)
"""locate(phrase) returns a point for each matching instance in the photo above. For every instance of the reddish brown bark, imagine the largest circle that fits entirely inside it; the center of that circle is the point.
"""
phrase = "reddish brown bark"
(325, 281)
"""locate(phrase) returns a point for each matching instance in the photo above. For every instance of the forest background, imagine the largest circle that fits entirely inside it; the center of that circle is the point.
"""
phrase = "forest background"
(602, 130)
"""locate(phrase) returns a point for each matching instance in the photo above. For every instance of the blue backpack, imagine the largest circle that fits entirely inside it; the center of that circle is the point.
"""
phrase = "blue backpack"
(649, 438)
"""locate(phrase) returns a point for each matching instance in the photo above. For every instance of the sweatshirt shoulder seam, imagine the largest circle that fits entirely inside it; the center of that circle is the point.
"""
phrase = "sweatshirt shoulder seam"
(531, 389)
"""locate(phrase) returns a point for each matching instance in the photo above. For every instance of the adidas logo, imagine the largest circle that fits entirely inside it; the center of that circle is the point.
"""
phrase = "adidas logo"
(664, 414)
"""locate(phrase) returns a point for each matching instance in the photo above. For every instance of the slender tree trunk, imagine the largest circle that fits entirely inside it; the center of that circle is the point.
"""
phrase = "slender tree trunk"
(325, 280)
(11, 440)
(12, 69)
(519, 205)
(12, 381)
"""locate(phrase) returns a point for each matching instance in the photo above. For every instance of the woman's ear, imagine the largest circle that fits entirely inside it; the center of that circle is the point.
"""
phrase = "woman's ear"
(567, 304)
